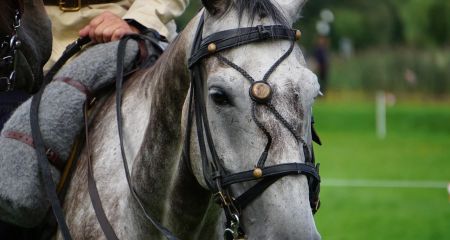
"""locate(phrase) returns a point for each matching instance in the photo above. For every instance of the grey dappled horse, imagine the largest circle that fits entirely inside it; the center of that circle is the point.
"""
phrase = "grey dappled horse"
(155, 106)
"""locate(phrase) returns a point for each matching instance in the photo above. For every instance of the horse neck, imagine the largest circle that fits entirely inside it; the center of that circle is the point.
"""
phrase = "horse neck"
(159, 177)
(166, 90)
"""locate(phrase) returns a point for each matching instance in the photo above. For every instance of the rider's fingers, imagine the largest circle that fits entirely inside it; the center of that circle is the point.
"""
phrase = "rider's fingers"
(99, 19)
(107, 34)
(118, 34)
(107, 27)
(98, 33)
(84, 31)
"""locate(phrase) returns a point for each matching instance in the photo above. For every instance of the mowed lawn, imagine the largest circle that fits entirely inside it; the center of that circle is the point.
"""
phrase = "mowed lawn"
(417, 148)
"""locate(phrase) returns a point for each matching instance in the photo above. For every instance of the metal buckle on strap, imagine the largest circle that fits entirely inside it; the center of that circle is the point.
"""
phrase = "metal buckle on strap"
(263, 32)
(222, 199)
(69, 8)
(232, 232)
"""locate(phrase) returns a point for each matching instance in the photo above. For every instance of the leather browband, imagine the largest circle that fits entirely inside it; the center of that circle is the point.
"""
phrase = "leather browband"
(24, 138)
(238, 37)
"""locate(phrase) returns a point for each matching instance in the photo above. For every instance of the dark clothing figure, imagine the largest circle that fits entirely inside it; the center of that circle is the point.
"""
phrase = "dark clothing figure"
(12, 232)
(321, 58)
(10, 101)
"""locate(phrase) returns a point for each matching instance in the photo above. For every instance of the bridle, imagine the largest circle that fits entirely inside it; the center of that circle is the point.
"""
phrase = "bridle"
(216, 177)
(9, 45)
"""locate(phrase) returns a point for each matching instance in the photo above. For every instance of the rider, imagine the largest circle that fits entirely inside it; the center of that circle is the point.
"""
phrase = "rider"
(108, 20)
(103, 21)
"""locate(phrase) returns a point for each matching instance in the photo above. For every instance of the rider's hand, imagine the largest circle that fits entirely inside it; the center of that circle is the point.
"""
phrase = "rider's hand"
(107, 27)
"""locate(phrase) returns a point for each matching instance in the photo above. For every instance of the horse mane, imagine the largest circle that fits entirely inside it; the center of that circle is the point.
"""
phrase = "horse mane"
(261, 9)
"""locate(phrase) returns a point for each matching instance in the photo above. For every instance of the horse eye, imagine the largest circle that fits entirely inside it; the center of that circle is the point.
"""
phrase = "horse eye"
(219, 97)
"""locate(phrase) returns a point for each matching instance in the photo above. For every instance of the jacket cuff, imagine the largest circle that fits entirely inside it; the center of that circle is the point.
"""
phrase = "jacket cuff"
(136, 24)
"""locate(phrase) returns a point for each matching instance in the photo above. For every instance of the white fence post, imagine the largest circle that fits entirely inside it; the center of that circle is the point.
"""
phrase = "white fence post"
(381, 114)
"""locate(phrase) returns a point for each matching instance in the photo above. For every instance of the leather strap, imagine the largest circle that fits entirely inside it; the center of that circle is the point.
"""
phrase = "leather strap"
(272, 171)
(315, 136)
(238, 37)
(92, 188)
(27, 139)
(76, 84)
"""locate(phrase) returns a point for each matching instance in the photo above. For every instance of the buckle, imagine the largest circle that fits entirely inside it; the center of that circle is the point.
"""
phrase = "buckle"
(7, 84)
(49, 153)
(263, 32)
(221, 199)
(76, 5)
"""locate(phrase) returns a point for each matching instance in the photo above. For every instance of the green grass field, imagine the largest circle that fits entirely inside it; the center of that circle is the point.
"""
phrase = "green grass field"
(417, 148)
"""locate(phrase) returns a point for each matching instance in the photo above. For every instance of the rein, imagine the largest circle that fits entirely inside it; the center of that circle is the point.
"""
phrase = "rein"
(215, 175)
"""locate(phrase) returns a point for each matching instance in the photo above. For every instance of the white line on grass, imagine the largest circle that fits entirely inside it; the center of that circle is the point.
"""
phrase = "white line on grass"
(330, 182)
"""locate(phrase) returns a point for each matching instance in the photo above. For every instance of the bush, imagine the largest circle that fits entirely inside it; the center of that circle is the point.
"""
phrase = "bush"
(393, 70)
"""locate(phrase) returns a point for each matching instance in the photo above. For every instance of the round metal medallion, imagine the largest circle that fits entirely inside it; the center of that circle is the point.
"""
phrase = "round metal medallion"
(261, 91)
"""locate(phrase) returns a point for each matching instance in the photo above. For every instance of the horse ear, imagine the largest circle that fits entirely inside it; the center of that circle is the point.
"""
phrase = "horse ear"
(216, 6)
(292, 8)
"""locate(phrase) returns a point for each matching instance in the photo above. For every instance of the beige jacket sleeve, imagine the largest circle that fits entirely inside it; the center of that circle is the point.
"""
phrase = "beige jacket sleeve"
(156, 14)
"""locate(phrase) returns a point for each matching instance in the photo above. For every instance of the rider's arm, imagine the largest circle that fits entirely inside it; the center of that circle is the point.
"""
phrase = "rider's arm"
(154, 14)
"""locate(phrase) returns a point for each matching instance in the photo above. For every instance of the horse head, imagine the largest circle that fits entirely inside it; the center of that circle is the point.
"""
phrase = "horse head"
(255, 126)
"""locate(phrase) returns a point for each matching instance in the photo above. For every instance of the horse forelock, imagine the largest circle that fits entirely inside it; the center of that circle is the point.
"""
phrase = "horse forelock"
(256, 9)
(261, 9)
